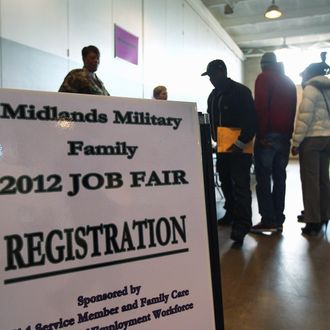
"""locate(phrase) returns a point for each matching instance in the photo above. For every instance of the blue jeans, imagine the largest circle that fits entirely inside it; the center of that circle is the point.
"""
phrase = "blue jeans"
(270, 169)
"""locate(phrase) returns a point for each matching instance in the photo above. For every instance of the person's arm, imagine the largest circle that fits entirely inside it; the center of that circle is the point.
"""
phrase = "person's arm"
(305, 116)
(262, 96)
(69, 85)
(211, 114)
(248, 118)
(293, 106)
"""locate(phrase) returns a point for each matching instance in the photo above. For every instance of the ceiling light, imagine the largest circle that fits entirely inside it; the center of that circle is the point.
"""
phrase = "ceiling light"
(273, 11)
(228, 10)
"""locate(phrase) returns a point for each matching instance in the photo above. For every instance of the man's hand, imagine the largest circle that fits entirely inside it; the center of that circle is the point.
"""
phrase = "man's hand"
(234, 148)
(214, 146)
(295, 151)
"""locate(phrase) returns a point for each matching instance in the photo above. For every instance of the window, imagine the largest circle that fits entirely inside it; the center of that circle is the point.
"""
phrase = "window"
(295, 60)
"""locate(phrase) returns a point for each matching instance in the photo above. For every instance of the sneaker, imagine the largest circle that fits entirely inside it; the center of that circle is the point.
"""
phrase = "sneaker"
(226, 220)
(261, 228)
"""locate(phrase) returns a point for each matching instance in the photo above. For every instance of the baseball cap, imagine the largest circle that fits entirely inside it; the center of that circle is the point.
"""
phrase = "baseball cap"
(214, 66)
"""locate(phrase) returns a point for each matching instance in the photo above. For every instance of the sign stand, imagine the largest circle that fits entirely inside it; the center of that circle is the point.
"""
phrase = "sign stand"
(210, 204)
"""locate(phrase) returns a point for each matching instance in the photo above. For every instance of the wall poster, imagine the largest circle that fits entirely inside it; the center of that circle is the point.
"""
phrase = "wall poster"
(126, 45)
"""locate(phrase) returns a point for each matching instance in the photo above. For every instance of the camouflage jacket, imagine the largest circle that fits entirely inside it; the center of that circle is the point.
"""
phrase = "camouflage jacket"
(84, 82)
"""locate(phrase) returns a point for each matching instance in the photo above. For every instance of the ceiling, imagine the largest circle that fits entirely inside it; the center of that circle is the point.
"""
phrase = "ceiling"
(304, 23)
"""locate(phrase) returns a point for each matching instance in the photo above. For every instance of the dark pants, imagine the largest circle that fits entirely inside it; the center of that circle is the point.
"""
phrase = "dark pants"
(270, 169)
(234, 175)
(314, 155)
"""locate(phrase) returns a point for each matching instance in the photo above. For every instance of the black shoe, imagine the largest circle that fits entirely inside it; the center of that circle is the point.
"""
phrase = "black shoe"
(312, 229)
(301, 216)
(238, 233)
(261, 228)
(226, 220)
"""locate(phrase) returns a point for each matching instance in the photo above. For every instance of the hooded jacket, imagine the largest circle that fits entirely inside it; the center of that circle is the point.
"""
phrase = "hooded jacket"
(313, 118)
(276, 101)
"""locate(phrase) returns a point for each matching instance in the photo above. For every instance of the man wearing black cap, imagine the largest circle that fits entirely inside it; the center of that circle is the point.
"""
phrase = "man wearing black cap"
(231, 106)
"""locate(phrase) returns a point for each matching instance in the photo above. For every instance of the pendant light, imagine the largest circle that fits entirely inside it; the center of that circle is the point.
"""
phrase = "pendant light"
(273, 11)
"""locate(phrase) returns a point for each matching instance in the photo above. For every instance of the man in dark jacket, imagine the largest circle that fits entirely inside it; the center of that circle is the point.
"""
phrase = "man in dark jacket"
(231, 105)
(275, 99)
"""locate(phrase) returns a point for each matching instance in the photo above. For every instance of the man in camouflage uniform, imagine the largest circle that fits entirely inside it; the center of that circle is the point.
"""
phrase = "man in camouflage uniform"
(85, 81)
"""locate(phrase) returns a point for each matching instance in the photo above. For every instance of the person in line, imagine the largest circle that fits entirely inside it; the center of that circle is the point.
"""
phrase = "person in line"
(85, 80)
(230, 105)
(276, 101)
(326, 68)
(160, 93)
(323, 63)
(311, 140)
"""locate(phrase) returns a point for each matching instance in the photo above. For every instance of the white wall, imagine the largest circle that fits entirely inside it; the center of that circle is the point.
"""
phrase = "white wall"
(251, 70)
(127, 78)
(36, 23)
(41, 40)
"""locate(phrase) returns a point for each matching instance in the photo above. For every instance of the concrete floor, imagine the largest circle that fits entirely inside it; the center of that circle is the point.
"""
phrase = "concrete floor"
(278, 281)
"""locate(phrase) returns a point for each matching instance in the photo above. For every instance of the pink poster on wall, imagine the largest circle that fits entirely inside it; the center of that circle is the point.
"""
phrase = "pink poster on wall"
(126, 45)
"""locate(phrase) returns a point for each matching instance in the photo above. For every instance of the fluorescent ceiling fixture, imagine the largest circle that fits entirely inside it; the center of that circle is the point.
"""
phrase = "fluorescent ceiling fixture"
(273, 11)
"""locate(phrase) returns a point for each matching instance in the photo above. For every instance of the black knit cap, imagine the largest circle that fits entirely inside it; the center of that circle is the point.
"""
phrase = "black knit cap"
(268, 58)
(215, 66)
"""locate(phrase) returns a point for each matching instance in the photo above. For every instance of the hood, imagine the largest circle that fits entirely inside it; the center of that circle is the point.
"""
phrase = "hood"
(322, 83)
(319, 82)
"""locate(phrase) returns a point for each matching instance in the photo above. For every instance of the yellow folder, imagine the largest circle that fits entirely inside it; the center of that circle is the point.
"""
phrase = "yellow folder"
(227, 136)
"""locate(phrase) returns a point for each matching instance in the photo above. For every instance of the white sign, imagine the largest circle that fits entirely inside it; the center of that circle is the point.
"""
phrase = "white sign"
(103, 222)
